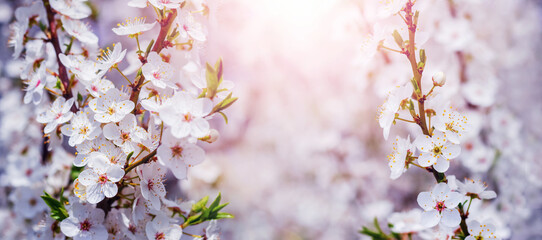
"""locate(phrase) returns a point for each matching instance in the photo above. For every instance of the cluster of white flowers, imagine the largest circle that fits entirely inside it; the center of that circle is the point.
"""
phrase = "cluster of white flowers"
(441, 130)
(126, 131)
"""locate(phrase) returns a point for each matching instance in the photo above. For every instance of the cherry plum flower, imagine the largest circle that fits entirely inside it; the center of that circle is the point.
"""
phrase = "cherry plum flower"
(76, 9)
(439, 206)
(99, 86)
(161, 228)
(58, 113)
(82, 127)
(111, 107)
(158, 71)
(110, 58)
(85, 149)
(185, 115)
(179, 154)
(133, 27)
(79, 30)
(406, 222)
(387, 112)
(452, 123)
(35, 85)
(85, 70)
(151, 181)
(170, 4)
(391, 7)
(478, 230)
(138, 3)
(84, 222)
(100, 181)
(27, 202)
(125, 135)
(190, 28)
(402, 148)
(436, 151)
(475, 189)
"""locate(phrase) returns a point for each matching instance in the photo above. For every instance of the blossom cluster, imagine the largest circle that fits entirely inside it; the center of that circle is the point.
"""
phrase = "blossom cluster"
(437, 142)
(126, 130)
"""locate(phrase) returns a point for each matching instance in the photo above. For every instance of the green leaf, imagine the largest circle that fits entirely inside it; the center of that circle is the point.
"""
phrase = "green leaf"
(216, 202)
(200, 205)
(227, 102)
(415, 85)
(63, 200)
(224, 215)
(207, 213)
(224, 116)
(75, 171)
(58, 211)
(149, 47)
(58, 83)
(129, 156)
(219, 207)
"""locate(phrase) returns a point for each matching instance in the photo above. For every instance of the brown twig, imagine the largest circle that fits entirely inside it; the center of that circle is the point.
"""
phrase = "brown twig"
(62, 72)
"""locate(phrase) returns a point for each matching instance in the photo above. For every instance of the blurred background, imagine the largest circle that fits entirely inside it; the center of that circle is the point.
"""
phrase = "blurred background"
(303, 156)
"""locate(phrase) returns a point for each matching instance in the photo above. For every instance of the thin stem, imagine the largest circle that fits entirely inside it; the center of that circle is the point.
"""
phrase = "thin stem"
(417, 165)
(429, 123)
(138, 47)
(62, 72)
(116, 67)
(431, 91)
(402, 119)
(137, 155)
(142, 161)
(468, 208)
(399, 13)
(391, 49)
(69, 47)
(192, 235)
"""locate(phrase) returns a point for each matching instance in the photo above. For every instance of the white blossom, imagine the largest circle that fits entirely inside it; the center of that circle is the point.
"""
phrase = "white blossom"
(397, 160)
(84, 222)
(133, 27)
(479, 230)
(113, 106)
(125, 135)
(439, 206)
(436, 151)
(179, 154)
(386, 115)
(100, 181)
(58, 113)
(190, 111)
(475, 189)
(151, 181)
(82, 127)
(158, 71)
(162, 228)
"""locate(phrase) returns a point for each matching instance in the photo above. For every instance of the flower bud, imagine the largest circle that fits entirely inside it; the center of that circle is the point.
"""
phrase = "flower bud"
(212, 137)
(439, 79)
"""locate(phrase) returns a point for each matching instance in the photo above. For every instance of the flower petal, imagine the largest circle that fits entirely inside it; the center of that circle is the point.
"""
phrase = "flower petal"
(450, 218)
(430, 218)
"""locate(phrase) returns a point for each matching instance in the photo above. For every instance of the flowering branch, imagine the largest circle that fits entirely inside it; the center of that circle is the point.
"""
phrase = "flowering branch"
(53, 37)
(159, 44)
(437, 146)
